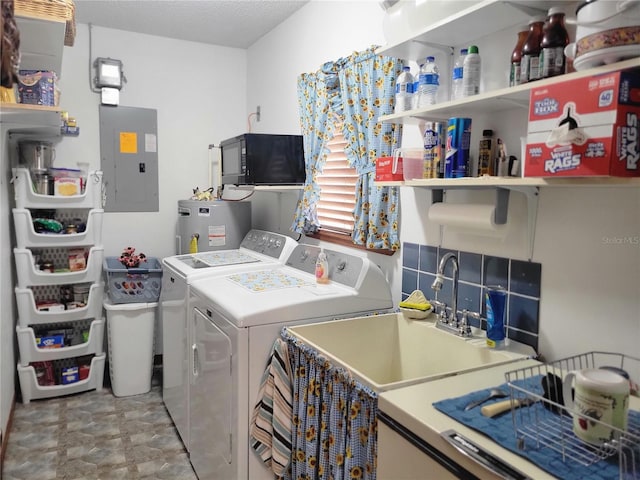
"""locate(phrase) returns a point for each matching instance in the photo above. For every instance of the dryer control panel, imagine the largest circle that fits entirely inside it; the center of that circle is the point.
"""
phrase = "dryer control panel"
(343, 268)
(267, 243)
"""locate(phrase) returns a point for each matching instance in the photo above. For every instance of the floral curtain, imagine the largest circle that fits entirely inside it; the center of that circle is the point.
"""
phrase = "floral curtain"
(367, 84)
(317, 95)
(358, 88)
(334, 432)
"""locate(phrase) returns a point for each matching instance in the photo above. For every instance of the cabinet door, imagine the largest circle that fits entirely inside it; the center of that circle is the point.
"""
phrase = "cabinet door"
(400, 460)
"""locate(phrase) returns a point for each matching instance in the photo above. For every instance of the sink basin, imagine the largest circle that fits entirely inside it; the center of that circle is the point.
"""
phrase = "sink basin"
(388, 351)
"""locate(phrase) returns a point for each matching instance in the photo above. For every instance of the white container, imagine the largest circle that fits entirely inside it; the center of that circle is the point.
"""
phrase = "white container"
(29, 315)
(26, 235)
(27, 198)
(29, 276)
(131, 332)
(32, 391)
(471, 72)
(29, 352)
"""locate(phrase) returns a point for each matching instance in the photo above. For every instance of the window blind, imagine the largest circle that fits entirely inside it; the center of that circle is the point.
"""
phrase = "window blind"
(337, 187)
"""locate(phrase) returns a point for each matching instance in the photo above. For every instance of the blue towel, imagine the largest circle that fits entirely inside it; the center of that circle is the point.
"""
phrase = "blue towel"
(501, 430)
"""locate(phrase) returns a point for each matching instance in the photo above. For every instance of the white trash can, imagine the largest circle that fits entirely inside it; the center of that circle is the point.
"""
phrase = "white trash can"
(130, 331)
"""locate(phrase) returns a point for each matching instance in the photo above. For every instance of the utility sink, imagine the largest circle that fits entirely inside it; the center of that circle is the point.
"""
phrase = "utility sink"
(389, 351)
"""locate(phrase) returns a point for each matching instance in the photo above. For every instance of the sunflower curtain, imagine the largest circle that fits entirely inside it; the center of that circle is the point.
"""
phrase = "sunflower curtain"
(334, 432)
(317, 94)
(359, 89)
(367, 84)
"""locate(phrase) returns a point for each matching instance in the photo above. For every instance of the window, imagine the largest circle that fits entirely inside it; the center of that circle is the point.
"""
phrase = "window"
(337, 188)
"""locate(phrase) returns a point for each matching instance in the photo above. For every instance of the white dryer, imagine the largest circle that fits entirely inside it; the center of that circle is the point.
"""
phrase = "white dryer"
(257, 250)
(236, 318)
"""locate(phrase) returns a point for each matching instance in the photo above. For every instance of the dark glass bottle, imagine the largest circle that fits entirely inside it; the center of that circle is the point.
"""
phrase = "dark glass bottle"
(554, 38)
(530, 63)
(516, 57)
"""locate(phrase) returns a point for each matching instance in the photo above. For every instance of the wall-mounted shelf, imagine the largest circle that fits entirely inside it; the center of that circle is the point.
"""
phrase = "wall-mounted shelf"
(494, 182)
(267, 188)
(467, 26)
(36, 120)
(41, 43)
(529, 187)
(496, 100)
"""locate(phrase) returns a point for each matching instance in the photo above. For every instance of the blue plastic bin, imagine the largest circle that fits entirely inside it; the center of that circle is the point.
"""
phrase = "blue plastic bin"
(130, 285)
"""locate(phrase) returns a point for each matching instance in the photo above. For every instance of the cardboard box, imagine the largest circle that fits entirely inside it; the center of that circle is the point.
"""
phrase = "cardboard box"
(37, 87)
(50, 341)
(69, 375)
(384, 170)
(585, 127)
(77, 259)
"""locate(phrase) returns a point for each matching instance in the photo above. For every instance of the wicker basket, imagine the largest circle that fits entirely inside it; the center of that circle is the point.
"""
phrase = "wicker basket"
(60, 10)
(70, 32)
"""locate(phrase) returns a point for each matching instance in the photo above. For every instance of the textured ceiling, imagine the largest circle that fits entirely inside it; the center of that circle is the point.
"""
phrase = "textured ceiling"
(230, 23)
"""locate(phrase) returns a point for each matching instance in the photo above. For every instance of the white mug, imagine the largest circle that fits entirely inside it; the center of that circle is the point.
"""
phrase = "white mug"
(600, 402)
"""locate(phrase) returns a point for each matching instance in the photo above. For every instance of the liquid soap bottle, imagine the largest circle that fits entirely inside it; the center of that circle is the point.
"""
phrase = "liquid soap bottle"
(322, 268)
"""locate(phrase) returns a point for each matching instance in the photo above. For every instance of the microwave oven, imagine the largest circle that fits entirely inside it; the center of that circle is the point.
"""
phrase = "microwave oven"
(263, 159)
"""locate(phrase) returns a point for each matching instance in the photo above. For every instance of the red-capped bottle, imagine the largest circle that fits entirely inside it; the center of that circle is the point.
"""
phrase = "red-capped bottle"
(530, 64)
(554, 38)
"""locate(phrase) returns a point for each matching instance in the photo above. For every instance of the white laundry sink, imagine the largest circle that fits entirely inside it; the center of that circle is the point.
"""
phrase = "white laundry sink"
(388, 351)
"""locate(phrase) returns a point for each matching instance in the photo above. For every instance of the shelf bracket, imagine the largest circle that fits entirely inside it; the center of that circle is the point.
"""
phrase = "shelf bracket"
(443, 48)
(530, 11)
(532, 194)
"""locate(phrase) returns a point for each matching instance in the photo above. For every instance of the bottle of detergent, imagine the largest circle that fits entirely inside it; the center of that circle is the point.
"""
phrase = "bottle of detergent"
(322, 268)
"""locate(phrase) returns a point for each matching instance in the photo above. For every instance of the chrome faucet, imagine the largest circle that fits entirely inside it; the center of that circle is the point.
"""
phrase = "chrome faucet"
(437, 286)
(451, 322)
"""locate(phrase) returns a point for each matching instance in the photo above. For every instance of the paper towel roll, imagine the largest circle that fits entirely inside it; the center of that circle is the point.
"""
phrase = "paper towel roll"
(465, 216)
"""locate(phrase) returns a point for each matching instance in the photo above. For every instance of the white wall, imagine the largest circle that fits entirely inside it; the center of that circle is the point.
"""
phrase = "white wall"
(199, 92)
(587, 239)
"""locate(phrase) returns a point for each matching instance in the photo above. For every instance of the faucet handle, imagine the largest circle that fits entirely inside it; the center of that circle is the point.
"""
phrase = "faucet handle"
(442, 307)
(465, 328)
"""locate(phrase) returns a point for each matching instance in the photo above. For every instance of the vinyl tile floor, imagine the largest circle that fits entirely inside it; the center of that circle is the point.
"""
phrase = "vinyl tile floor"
(96, 435)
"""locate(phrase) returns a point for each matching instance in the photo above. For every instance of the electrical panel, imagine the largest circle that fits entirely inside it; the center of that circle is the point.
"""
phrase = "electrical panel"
(129, 158)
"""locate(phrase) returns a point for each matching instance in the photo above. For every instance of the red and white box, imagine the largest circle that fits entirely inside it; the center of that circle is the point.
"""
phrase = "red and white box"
(386, 171)
(585, 127)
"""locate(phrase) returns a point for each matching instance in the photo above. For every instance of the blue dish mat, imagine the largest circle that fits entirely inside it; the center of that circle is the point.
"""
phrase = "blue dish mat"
(501, 430)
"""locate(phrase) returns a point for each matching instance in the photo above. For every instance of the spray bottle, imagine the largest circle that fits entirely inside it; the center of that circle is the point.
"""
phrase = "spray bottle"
(322, 268)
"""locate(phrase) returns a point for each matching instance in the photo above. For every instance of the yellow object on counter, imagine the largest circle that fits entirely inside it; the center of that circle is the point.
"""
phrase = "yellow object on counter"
(417, 301)
(416, 306)
(7, 95)
(193, 245)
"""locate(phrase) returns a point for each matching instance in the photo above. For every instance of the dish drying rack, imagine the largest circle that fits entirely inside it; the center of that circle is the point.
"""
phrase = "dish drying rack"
(548, 423)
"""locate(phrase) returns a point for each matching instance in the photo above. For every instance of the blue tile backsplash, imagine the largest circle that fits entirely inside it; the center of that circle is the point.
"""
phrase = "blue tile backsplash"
(476, 271)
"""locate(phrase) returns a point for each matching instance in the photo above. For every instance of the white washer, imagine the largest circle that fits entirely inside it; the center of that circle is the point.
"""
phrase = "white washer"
(236, 318)
(257, 250)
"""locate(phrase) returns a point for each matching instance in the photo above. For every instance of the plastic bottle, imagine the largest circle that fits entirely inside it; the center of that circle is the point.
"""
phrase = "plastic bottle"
(456, 76)
(516, 57)
(404, 91)
(428, 83)
(486, 153)
(471, 72)
(530, 64)
(554, 39)
(322, 268)
(496, 307)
